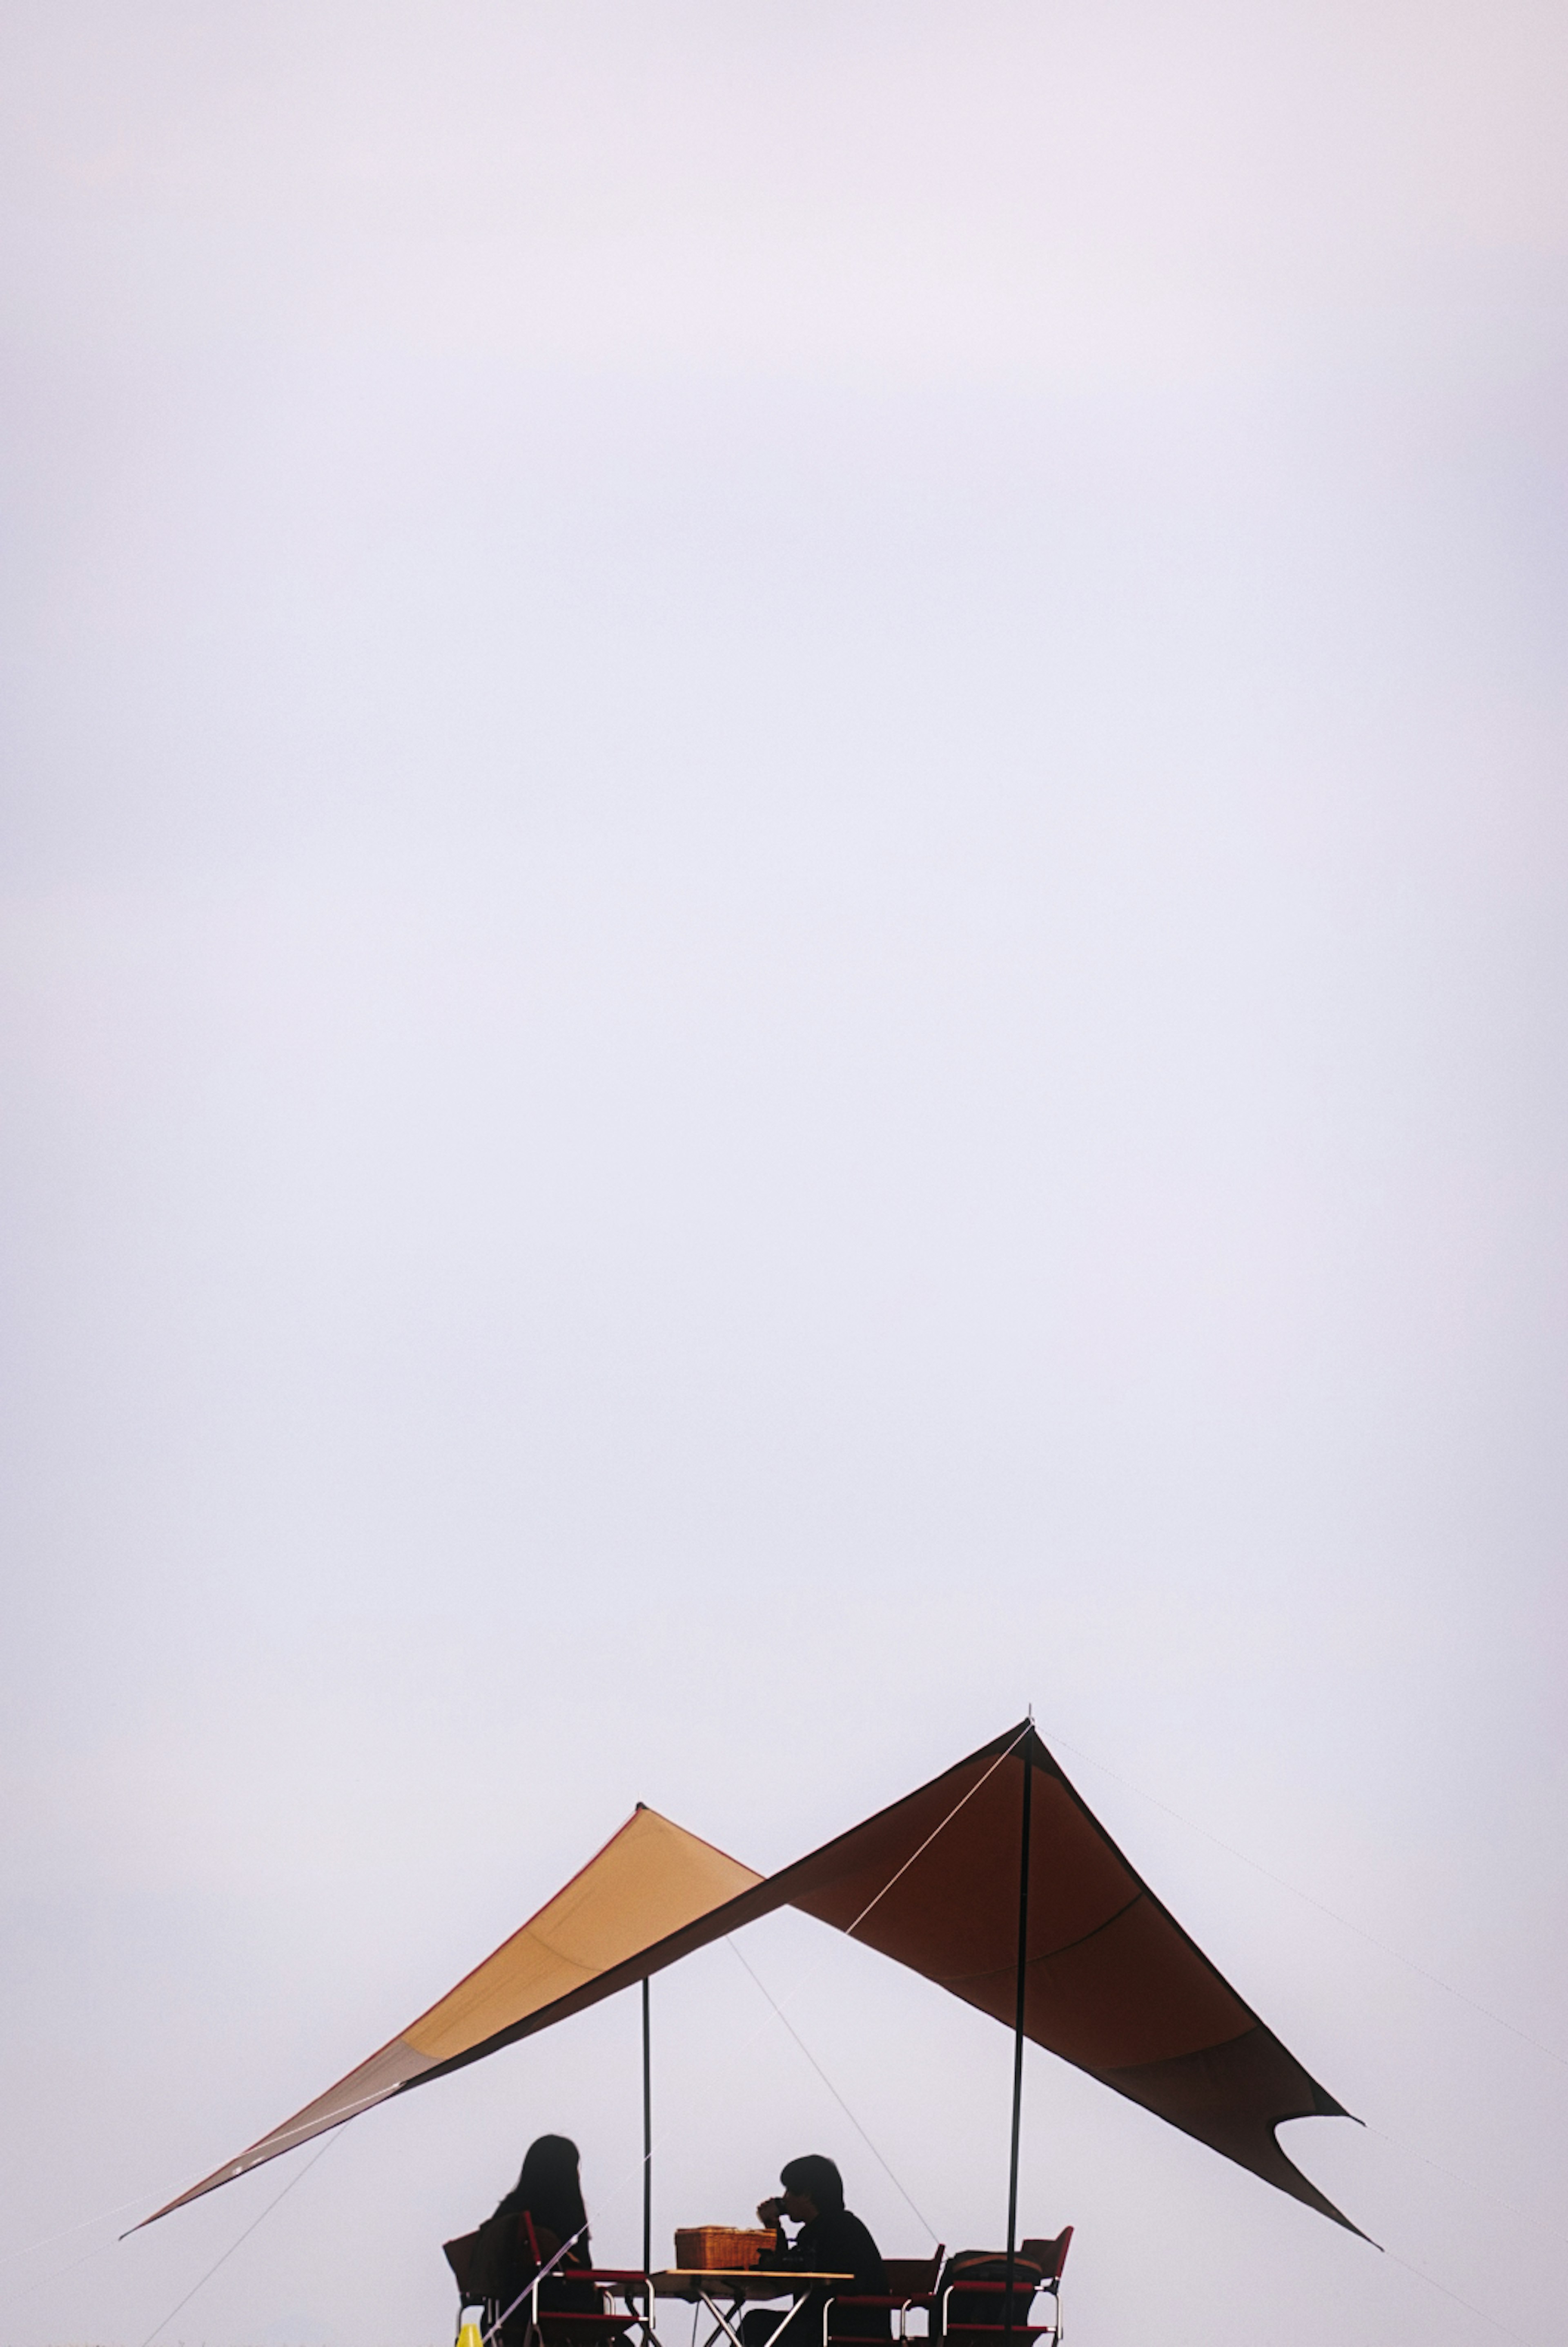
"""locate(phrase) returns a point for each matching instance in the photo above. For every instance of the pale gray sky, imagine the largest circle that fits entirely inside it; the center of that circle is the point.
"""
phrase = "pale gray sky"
(783, 958)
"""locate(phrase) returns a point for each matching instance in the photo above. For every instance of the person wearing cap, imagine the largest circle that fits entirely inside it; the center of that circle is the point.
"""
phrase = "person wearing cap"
(831, 2240)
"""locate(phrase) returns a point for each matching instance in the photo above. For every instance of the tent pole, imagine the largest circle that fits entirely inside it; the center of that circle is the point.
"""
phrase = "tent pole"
(1018, 2036)
(648, 2135)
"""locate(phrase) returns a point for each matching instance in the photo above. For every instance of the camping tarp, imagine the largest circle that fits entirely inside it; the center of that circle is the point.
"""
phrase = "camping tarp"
(1113, 1983)
(649, 1879)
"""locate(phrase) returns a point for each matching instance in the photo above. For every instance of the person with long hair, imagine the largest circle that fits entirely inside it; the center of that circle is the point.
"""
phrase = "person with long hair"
(541, 2213)
(550, 2187)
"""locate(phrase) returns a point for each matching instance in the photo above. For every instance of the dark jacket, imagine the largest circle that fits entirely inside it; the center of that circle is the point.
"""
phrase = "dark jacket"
(836, 2242)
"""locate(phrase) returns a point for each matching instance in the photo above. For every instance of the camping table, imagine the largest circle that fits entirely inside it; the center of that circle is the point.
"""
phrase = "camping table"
(735, 2285)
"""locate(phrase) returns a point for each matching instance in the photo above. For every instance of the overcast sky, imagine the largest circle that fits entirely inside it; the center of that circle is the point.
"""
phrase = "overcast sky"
(783, 959)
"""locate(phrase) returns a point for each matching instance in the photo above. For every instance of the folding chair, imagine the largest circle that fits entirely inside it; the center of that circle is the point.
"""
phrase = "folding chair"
(975, 2294)
(553, 2326)
(912, 2282)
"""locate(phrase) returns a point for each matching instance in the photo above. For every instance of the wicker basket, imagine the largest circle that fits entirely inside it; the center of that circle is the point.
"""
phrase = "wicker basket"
(718, 2249)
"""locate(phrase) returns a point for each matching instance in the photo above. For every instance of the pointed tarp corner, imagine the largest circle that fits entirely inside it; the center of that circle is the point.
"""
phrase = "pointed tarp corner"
(650, 1878)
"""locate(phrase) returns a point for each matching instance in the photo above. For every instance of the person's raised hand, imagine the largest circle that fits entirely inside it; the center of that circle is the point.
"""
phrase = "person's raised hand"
(768, 2213)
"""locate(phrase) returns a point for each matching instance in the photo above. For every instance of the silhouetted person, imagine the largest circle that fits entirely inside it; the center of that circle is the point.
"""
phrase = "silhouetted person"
(831, 2240)
(549, 2192)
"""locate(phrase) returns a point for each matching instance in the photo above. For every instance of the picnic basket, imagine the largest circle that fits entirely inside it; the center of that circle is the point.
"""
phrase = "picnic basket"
(713, 2248)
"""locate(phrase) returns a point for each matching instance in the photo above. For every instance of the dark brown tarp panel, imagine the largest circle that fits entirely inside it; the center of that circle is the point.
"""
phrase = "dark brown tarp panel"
(1114, 1984)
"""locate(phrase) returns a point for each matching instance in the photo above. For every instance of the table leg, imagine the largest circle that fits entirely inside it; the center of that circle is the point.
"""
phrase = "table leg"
(786, 2318)
(721, 2321)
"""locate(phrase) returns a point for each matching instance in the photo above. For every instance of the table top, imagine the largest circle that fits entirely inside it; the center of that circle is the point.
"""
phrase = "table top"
(738, 2281)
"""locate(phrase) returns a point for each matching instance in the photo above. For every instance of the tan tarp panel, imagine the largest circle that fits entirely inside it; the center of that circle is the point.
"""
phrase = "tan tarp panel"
(649, 1879)
(1114, 1984)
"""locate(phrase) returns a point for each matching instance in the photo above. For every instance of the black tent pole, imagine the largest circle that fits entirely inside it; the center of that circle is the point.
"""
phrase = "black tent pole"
(1018, 2036)
(647, 2137)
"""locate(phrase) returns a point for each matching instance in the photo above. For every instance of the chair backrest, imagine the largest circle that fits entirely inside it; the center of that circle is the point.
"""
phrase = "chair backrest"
(914, 2277)
(459, 2255)
(1049, 2256)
